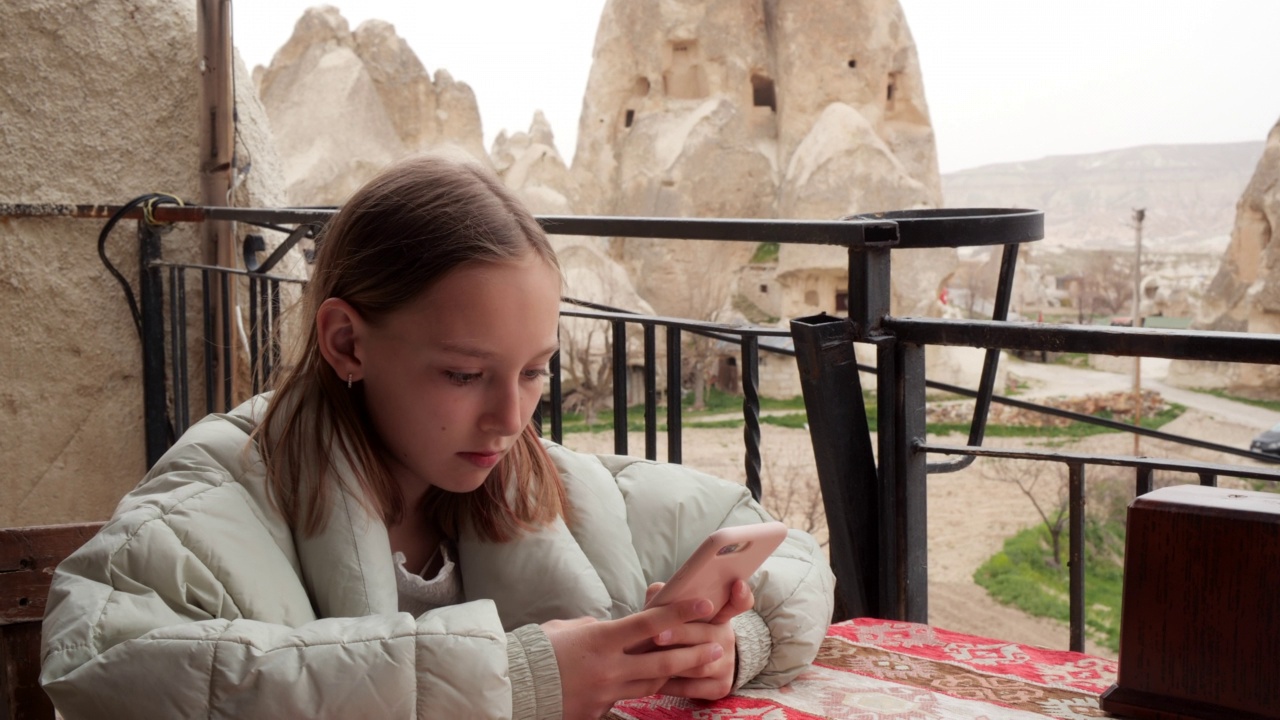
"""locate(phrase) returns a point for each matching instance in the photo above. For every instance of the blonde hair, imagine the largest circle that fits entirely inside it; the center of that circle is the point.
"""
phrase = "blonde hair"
(402, 232)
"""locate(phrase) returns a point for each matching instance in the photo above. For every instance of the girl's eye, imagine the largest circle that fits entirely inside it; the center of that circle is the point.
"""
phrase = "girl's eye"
(461, 378)
(536, 374)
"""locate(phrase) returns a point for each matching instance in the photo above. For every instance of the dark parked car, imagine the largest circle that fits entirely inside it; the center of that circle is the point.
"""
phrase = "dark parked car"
(1268, 442)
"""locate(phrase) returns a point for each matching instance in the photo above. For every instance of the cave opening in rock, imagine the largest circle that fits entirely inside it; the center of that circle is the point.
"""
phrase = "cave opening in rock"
(762, 92)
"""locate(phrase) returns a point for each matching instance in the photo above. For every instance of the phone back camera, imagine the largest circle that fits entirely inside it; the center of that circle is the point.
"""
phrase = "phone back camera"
(730, 549)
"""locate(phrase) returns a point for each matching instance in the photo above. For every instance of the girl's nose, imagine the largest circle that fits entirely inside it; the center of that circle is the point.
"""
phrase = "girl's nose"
(504, 414)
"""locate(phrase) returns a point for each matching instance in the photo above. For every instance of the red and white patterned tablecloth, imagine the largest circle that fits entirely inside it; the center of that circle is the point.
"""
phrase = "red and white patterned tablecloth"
(870, 668)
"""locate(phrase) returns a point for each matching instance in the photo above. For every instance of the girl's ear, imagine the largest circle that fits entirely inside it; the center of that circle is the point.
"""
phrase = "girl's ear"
(338, 327)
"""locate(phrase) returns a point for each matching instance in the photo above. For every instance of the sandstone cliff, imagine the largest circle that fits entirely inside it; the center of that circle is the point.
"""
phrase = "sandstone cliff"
(782, 108)
(100, 105)
(344, 104)
(1244, 296)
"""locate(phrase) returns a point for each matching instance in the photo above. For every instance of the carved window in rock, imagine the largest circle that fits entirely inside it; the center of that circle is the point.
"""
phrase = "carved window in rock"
(762, 92)
(891, 90)
(842, 302)
(811, 298)
(639, 91)
(684, 77)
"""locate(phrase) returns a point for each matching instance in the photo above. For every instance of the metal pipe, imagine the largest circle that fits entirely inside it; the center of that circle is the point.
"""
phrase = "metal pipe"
(909, 495)
(1174, 344)
(217, 150)
(151, 296)
(619, 387)
(1077, 561)
(557, 400)
(650, 393)
(990, 363)
(845, 462)
(675, 396)
(751, 413)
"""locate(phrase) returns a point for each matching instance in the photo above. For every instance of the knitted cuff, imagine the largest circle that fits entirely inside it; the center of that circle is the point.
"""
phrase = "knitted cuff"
(754, 646)
(535, 676)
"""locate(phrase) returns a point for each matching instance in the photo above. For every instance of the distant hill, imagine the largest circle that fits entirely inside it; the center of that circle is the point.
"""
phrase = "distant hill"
(1189, 192)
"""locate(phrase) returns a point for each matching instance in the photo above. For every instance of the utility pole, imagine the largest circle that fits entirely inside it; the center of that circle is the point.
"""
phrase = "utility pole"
(1139, 215)
(217, 145)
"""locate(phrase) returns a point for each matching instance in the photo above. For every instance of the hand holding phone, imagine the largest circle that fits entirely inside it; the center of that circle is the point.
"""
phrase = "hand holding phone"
(726, 556)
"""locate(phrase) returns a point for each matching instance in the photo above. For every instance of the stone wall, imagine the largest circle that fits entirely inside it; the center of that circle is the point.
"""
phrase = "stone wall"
(99, 106)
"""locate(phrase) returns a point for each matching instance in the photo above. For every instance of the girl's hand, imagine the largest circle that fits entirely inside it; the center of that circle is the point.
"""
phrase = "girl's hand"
(714, 680)
(596, 671)
(741, 599)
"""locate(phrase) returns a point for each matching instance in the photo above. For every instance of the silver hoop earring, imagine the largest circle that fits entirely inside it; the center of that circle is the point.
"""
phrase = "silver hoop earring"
(348, 381)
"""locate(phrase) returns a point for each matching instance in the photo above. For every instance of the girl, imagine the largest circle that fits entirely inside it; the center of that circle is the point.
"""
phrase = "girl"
(386, 536)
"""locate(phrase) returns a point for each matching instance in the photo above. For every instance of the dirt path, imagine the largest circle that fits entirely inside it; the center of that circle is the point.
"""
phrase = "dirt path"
(971, 512)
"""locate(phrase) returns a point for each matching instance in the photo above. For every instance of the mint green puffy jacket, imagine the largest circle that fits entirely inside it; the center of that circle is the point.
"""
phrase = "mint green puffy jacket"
(198, 600)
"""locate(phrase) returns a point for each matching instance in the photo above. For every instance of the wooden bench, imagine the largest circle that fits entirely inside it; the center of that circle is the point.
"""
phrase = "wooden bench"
(28, 557)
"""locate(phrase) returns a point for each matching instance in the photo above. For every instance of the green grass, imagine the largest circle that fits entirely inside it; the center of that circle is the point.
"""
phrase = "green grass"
(720, 403)
(1024, 576)
(1073, 360)
(1268, 404)
(765, 253)
(1073, 431)
(795, 420)
(716, 402)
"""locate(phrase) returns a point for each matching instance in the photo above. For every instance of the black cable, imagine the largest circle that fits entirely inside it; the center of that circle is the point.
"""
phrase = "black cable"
(149, 200)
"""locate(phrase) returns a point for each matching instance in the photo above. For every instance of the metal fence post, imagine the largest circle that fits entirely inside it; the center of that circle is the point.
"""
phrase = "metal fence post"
(843, 454)
(904, 476)
(151, 301)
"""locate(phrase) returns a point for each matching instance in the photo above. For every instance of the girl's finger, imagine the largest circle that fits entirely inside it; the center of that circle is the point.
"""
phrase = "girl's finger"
(651, 591)
(741, 599)
(667, 663)
(651, 623)
(701, 688)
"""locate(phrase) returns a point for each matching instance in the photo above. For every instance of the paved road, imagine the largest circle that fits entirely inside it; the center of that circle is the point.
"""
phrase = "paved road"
(1061, 380)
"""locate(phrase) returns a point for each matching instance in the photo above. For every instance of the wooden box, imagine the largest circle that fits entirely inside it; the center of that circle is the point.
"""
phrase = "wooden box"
(1200, 622)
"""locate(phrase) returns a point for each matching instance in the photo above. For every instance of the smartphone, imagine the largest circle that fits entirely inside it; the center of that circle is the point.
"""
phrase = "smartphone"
(727, 555)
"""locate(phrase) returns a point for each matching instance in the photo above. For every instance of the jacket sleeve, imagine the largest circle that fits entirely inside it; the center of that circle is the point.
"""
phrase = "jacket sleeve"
(673, 508)
(138, 627)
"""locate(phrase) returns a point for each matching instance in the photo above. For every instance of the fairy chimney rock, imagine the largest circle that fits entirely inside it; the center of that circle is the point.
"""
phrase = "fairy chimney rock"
(786, 109)
(344, 104)
(1244, 296)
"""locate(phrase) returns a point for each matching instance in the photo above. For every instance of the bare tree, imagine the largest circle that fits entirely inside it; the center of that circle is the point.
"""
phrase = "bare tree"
(1054, 511)
(792, 494)
(1108, 282)
(708, 297)
(586, 347)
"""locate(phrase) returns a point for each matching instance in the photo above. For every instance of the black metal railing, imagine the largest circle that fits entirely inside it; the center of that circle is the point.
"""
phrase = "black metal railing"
(873, 489)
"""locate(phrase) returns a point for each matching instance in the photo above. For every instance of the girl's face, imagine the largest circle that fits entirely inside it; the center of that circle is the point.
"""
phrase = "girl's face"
(451, 379)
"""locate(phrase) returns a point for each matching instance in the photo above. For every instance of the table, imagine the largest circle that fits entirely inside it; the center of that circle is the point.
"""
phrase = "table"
(869, 668)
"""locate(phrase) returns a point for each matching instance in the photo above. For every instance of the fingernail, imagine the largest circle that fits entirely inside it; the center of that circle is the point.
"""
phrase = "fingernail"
(704, 607)
(717, 652)
(664, 637)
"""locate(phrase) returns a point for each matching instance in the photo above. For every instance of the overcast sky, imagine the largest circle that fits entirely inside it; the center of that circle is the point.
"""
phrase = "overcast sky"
(1006, 80)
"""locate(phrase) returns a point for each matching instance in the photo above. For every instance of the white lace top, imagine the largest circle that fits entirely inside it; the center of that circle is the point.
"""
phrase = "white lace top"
(418, 594)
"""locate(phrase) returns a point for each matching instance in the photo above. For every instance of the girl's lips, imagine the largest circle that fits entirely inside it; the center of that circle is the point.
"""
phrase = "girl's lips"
(482, 460)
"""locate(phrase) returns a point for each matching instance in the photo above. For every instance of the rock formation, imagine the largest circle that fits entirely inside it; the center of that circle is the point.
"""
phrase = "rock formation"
(1244, 296)
(344, 104)
(100, 106)
(530, 165)
(783, 108)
